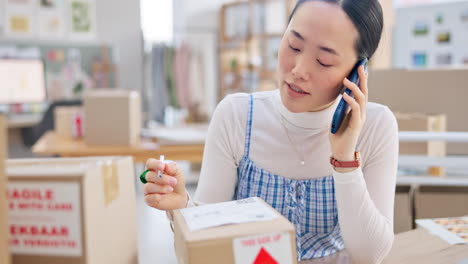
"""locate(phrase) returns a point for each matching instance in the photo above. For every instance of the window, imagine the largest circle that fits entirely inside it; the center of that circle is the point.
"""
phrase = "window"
(156, 20)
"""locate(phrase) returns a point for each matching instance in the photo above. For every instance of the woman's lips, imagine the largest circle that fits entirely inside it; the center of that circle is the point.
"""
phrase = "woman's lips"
(295, 91)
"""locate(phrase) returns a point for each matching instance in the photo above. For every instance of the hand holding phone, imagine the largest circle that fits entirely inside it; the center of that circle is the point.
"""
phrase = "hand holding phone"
(342, 107)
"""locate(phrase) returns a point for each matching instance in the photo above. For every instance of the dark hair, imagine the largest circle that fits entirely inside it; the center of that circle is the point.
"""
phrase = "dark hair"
(366, 16)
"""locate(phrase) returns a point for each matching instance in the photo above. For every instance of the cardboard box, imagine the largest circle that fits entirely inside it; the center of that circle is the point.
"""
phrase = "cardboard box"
(403, 213)
(113, 117)
(68, 121)
(423, 122)
(4, 236)
(418, 91)
(248, 242)
(441, 201)
(72, 210)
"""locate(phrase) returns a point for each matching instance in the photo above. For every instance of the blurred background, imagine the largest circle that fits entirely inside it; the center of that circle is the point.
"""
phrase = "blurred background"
(82, 78)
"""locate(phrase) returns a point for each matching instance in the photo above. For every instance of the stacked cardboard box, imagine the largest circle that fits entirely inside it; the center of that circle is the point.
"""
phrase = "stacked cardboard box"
(113, 117)
(75, 210)
(433, 201)
(203, 237)
(419, 91)
(403, 216)
(423, 122)
(4, 237)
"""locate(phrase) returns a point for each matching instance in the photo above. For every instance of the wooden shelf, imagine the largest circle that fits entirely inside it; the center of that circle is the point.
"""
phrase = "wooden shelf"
(251, 50)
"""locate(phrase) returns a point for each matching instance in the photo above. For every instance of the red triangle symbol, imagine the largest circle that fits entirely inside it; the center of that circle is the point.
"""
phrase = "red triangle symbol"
(264, 257)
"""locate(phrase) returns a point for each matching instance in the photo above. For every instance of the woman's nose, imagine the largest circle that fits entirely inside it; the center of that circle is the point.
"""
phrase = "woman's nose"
(301, 70)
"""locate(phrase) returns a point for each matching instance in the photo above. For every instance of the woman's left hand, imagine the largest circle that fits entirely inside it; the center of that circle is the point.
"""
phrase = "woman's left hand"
(344, 142)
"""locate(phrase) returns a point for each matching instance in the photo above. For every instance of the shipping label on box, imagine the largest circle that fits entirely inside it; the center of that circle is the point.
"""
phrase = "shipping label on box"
(233, 212)
(45, 218)
(265, 248)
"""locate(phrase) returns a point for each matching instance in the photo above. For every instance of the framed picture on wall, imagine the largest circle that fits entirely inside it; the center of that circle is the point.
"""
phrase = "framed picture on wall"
(19, 18)
(421, 28)
(82, 14)
(419, 60)
(19, 24)
(443, 59)
(443, 37)
(51, 23)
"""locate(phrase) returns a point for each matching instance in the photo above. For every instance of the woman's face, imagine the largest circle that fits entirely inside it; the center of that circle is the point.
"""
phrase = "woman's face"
(316, 53)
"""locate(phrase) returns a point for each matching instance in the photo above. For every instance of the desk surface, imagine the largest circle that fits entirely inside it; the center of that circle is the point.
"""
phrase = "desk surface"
(51, 144)
(419, 246)
(416, 246)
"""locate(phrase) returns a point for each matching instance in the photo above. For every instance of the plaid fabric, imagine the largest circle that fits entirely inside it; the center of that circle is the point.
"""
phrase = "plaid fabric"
(309, 204)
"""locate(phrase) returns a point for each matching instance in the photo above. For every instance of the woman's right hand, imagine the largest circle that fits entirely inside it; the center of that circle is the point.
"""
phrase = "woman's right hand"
(167, 192)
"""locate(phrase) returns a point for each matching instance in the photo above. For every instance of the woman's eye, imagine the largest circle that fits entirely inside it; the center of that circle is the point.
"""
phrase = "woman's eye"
(324, 65)
(296, 50)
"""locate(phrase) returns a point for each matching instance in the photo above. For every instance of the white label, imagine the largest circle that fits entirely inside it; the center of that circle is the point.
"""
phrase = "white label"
(233, 212)
(266, 248)
(45, 218)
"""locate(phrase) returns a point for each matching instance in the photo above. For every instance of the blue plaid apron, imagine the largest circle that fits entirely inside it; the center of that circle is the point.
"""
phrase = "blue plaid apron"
(309, 204)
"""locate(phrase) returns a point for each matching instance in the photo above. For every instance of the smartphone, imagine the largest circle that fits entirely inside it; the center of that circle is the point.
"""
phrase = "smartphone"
(342, 107)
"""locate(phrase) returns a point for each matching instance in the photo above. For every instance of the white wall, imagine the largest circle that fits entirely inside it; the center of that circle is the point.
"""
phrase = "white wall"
(118, 24)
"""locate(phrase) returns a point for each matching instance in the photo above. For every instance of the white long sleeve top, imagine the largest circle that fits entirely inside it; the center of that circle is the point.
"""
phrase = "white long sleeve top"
(364, 197)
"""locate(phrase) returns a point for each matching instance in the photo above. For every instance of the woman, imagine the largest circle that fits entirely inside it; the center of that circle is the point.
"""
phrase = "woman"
(277, 145)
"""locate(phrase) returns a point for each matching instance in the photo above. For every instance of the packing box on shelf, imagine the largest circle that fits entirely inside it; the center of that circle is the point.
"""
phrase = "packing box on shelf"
(112, 117)
(433, 201)
(418, 91)
(242, 231)
(403, 218)
(72, 210)
(422, 122)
